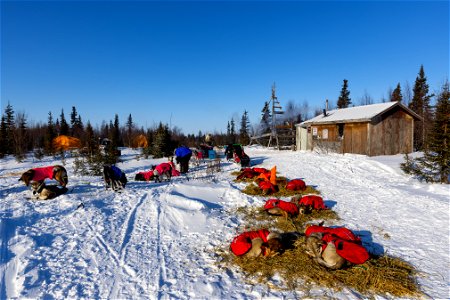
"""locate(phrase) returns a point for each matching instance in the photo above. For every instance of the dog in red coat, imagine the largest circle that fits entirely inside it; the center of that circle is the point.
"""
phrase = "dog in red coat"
(56, 172)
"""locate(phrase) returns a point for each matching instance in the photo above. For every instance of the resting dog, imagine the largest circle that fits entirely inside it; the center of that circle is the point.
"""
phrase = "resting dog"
(56, 172)
(252, 244)
(333, 247)
(44, 192)
(114, 177)
(327, 257)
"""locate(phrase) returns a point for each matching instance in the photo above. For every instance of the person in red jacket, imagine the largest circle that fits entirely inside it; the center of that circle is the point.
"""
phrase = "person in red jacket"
(252, 244)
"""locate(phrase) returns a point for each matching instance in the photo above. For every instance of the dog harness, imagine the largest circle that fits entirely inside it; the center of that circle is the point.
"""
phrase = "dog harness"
(43, 173)
(289, 207)
(243, 242)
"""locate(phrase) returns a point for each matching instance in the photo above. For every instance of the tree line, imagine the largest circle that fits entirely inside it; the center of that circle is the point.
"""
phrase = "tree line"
(17, 137)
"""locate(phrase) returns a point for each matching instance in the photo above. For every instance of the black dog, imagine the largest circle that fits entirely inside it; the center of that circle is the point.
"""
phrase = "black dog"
(114, 177)
(45, 192)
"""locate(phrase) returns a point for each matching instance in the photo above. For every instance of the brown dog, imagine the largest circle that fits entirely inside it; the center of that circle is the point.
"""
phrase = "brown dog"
(45, 192)
(56, 172)
(327, 257)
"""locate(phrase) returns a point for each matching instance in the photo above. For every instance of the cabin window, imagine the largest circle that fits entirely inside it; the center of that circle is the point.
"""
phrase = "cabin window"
(341, 130)
(325, 134)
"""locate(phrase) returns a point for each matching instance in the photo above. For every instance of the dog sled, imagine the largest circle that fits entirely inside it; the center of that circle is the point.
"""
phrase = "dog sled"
(235, 153)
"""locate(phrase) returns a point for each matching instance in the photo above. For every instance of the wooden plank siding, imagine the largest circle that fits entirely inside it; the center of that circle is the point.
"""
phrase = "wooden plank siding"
(355, 138)
(391, 134)
(386, 133)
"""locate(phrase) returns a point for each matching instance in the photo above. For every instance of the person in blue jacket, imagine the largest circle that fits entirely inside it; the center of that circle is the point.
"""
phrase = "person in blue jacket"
(183, 155)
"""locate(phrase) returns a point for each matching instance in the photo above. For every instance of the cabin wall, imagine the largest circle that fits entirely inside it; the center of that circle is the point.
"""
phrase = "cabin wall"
(325, 138)
(388, 134)
(391, 134)
(355, 138)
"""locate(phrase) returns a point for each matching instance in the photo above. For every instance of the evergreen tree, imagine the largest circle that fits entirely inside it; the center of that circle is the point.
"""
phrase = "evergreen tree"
(130, 126)
(420, 104)
(90, 141)
(50, 134)
(20, 137)
(228, 129)
(116, 139)
(397, 94)
(344, 100)
(162, 142)
(244, 137)
(3, 137)
(149, 149)
(10, 128)
(76, 125)
(434, 166)
(64, 127)
(266, 117)
(73, 120)
(232, 132)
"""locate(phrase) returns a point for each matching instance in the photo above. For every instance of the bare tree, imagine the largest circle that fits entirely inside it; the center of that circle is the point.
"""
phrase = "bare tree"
(366, 99)
(407, 93)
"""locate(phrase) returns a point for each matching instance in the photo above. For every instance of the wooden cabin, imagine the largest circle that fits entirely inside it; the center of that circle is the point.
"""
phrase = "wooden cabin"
(376, 129)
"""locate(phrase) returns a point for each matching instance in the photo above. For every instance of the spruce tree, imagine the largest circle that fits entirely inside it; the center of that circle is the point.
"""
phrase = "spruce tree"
(232, 132)
(73, 120)
(344, 100)
(90, 141)
(266, 117)
(420, 104)
(397, 94)
(50, 134)
(10, 128)
(64, 127)
(20, 137)
(162, 142)
(434, 166)
(3, 137)
(244, 137)
(129, 129)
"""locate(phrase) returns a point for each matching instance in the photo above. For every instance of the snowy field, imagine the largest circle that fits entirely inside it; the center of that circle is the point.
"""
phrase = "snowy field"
(157, 241)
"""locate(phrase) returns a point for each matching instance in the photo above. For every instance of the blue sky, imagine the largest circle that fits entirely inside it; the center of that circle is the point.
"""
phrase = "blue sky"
(196, 65)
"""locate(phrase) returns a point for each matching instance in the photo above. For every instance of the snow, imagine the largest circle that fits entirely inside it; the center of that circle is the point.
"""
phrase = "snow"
(160, 240)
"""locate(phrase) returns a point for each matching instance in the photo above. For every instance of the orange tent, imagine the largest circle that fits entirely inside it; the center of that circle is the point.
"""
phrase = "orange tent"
(140, 141)
(64, 142)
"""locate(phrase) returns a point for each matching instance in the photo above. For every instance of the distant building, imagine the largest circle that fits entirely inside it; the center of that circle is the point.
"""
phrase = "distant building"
(377, 129)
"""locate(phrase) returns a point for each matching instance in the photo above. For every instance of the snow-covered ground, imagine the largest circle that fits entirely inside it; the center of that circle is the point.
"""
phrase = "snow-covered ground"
(158, 240)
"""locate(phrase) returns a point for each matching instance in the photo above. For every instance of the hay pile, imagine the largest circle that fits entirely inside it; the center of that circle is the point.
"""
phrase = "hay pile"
(384, 275)
(257, 217)
(378, 276)
(254, 190)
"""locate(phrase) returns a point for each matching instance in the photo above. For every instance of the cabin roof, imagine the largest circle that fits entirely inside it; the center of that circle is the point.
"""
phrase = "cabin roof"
(354, 114)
